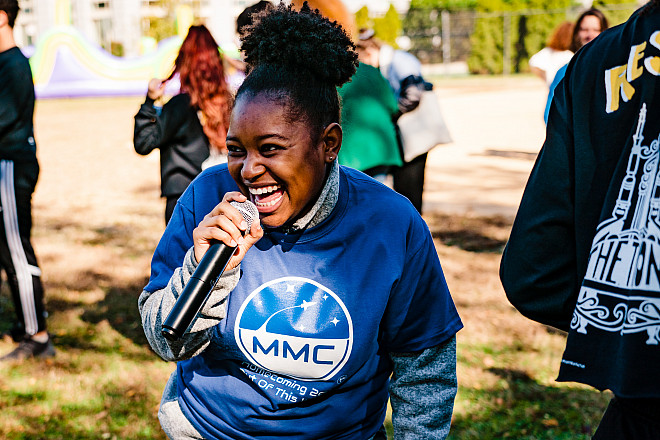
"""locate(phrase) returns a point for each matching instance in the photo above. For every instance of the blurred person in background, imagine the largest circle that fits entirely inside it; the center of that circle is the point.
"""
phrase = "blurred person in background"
(368, 107)
(191, 128)
(587, 27)
(403, 72)
(583, 250)
(243, 23)
(246, 18)
(368, 111)
(19, 171)
(333, 9)
(555, 54)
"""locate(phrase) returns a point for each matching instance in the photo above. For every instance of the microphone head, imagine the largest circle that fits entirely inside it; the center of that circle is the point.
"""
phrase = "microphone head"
(248, 210)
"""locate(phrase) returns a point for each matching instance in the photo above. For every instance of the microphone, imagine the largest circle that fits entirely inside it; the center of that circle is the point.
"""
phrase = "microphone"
(198, 288)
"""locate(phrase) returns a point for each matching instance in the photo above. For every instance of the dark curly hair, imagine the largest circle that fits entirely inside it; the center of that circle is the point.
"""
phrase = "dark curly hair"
(299, 57)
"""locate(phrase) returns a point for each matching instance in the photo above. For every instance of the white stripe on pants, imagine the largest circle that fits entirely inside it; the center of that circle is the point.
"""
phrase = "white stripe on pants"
(21, 265)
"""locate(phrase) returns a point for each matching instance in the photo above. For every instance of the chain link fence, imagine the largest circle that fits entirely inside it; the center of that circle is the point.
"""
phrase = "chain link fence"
(444, 37)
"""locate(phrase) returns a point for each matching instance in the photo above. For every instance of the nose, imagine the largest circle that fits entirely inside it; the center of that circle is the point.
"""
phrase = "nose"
(252, 166)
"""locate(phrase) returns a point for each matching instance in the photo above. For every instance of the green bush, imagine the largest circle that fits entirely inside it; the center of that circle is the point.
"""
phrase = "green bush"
(528, 24)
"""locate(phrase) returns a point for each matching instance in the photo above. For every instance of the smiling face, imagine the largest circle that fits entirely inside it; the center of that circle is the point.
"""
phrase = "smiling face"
(589, 28)
(275, 161)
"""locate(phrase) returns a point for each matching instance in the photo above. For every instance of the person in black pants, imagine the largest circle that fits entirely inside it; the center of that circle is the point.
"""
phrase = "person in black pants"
(19, 171)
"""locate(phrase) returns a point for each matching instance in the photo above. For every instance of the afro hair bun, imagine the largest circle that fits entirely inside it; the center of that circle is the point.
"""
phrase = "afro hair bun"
(301, 41)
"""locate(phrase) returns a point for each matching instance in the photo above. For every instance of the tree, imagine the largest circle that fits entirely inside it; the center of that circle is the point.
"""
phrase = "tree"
(362, 19)
(388, 27)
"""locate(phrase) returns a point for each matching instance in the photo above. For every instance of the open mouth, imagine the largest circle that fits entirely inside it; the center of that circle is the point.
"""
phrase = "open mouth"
(267, 198)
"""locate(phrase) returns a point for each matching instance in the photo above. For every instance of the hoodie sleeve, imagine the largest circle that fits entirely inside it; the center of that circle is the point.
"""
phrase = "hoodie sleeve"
(539, 265)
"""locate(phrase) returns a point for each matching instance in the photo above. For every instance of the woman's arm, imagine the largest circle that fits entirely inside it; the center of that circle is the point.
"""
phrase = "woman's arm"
(223, 224)
(148, 129)
(156, 129)
(155, 307)
(422, 391)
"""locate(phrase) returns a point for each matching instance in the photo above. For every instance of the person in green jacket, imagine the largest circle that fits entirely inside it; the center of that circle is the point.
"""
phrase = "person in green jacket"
(369, 109)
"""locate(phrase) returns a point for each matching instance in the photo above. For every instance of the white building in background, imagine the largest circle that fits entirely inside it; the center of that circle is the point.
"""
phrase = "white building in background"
(124, 22)
(121, 22)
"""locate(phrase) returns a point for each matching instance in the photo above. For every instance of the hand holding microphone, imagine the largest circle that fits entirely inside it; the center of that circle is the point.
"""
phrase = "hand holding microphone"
(219, 245)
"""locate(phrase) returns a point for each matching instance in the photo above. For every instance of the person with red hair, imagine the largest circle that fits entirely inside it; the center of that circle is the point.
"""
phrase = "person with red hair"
(555, 54)
(190, 129)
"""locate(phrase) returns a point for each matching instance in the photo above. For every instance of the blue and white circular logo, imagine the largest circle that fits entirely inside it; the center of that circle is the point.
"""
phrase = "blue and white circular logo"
(295, 327)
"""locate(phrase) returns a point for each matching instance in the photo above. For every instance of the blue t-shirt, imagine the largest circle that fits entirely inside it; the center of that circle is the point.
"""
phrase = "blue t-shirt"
(303, 351)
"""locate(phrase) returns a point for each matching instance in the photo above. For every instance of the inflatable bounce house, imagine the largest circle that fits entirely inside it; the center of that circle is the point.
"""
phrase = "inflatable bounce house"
(65, 64)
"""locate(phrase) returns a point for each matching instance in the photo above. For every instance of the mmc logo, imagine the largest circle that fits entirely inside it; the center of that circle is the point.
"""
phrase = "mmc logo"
(296, 327)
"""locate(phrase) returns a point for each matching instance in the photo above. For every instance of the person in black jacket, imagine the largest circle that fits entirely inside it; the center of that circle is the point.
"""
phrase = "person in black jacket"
(584, 250)
(191, 127)
(19, 171)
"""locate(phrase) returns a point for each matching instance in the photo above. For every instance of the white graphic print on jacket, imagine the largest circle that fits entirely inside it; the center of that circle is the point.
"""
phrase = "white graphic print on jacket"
(621, 289)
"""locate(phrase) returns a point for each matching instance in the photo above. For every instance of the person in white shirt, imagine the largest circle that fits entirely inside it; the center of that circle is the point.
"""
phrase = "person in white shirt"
(551, 58)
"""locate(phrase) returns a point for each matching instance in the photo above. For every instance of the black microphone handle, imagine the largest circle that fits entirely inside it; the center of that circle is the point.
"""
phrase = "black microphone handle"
(197, 290)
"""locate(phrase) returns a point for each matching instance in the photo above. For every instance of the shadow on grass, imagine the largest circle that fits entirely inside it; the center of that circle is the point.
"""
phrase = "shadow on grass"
(518, 407)
(472, 234)
(118, 307)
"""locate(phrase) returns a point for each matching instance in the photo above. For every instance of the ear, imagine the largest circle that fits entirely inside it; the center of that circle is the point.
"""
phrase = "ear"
(4, 19)
(331, 142)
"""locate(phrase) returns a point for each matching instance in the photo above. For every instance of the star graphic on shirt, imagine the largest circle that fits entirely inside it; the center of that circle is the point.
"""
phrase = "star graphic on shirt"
(290, 287)
(325, 296)
(335, 321)
(306, 304)
(301, 328)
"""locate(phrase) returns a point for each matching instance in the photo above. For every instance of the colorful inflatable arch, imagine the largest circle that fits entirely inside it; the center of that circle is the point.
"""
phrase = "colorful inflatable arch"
(65, 64)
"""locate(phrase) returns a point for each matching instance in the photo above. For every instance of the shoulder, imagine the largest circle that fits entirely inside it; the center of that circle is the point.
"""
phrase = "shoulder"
(378, 201)
(401, 56)
(207, 190)
(182, 100)
(542, 53)
(15, 65)
(367, 72)
(613, 45)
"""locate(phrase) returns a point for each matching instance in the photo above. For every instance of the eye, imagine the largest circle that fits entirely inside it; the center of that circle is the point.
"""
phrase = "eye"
(267, 149)
(234, 150)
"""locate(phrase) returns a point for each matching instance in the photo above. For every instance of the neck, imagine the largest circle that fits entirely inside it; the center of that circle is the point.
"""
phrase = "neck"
(324, 204)
(6, 38)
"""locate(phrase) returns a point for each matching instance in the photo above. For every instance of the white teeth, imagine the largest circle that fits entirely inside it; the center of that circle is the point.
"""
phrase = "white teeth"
(267, 204)
(263, 190)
